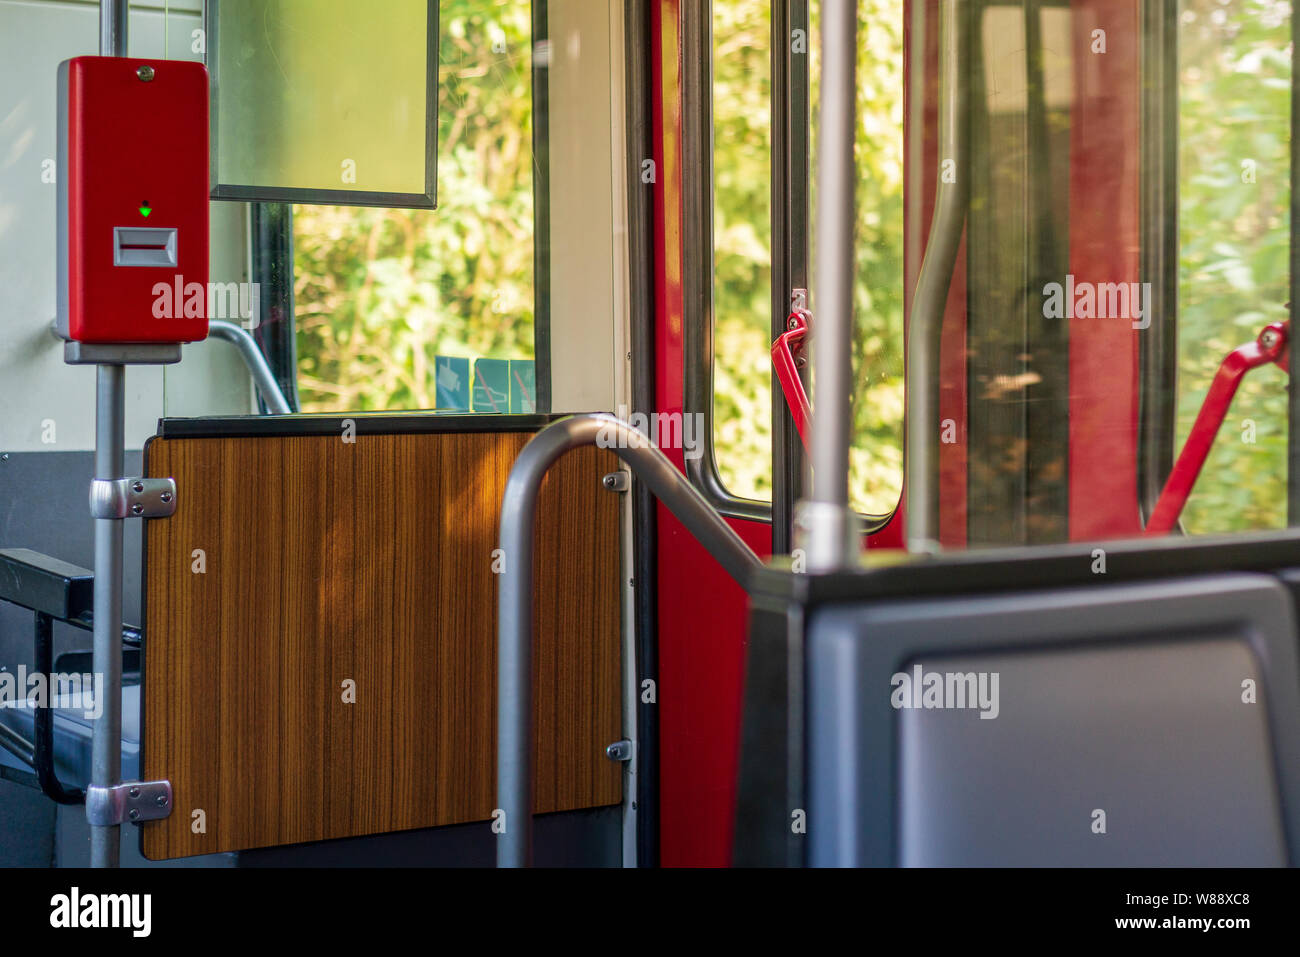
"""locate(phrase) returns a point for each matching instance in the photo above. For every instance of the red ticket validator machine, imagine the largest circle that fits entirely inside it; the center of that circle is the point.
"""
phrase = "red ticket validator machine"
(132, 286)
(132, 201)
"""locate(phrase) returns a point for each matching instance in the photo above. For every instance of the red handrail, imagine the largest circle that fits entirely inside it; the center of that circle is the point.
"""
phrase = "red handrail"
(1269, 346)
(787, 357)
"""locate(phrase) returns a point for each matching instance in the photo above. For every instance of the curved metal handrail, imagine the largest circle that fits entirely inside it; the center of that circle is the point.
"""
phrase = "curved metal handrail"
(258, 368)
(515, 594)
(921, 456)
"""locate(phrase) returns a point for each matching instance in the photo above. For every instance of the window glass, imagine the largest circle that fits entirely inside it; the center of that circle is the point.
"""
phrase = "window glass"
(322, 95)
(435, 309)
(1234, 225)
(1127, 229)
(742, 246)
(876, 452)
(1011, 345)
(742, 251)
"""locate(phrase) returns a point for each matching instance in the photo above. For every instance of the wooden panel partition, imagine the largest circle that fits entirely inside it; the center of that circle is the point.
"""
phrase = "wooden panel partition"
(320, 650)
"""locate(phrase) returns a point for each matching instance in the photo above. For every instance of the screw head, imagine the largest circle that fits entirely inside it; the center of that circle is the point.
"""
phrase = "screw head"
(133, 814)
(137, 487)
(145, 73)
(137, 509)
(161, 800)
(166, 497)
(134, 792)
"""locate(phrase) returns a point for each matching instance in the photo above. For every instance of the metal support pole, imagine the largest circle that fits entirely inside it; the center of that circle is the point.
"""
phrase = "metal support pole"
(832, 540)
(515, 592)
(110, 441)
(106, 740)
(112, 27)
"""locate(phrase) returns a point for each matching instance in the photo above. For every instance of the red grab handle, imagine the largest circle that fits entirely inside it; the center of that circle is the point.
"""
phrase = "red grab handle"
(1270, 346)
(786, 352)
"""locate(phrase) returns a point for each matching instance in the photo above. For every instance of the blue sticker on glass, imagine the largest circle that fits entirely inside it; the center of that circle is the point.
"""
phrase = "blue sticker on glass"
(492, 385)
(523, 386)
(451, 378)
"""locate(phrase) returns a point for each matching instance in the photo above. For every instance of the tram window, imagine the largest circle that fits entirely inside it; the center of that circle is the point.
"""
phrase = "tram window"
(742, 374)
(742, 244)
(876, 452)
(1234, 200)
(1127, 229)
(437, 309)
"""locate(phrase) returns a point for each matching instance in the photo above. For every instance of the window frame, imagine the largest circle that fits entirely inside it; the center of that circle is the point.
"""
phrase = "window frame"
(791, 137)
(270, 246)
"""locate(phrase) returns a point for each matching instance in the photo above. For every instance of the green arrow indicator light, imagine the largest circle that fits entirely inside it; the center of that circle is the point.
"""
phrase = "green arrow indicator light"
(145, 209)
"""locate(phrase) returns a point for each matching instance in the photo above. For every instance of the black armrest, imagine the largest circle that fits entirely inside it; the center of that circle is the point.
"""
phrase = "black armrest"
(46, 585)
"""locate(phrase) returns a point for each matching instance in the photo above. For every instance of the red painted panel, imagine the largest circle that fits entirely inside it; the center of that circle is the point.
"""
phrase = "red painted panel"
(1105, 246)
(702, 623)
(702, 612)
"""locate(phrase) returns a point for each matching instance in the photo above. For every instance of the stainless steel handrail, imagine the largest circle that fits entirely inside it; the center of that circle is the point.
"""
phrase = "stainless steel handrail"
(515, 594)
(257, 365)
(925, 325)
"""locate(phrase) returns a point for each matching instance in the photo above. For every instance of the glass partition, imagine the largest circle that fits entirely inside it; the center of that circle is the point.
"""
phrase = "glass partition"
(1113, 351)
(1234, 126)
(324, 100)
(742, 237)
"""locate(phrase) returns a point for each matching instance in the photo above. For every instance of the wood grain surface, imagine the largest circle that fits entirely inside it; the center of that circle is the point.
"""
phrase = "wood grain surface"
(328, 562)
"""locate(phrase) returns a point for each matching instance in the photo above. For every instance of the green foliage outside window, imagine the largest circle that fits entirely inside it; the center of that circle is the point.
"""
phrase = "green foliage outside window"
(1235, 103)
(742, 258)
(380, 292)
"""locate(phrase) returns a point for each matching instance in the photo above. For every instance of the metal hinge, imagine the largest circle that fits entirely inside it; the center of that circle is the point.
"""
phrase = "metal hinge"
(619, 751)
(132, 498)
(617, 481)
(133, 802)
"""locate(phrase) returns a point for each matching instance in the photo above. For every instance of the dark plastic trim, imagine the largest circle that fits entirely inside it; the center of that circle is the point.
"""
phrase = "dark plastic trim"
(641, 246)
(367, 423)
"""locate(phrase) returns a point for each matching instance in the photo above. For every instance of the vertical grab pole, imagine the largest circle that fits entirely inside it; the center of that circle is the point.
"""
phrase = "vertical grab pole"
(921, 461)
(112, 27)
(106, 740)
(515, 674)
(831, 528)
(110, 440)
